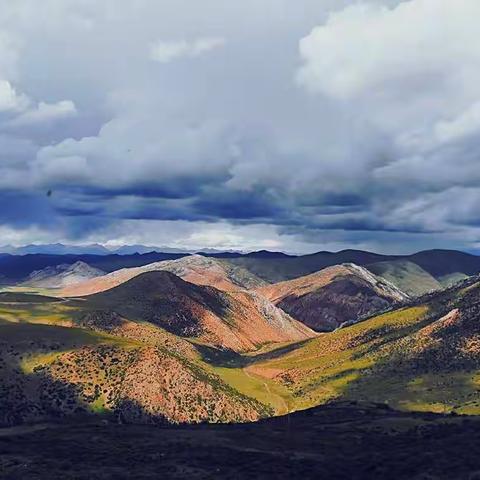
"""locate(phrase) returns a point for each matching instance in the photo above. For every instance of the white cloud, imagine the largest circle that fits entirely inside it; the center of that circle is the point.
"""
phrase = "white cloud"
(45, 113)
(167, 51)
(10, 100)
(368, 47)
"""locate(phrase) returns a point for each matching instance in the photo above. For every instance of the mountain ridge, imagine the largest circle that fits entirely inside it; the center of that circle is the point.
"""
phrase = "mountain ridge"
(333, 296)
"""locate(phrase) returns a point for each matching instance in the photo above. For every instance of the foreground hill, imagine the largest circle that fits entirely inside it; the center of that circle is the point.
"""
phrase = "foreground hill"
(49, 372)
(195, 269)
(333, 296)
(341, 441)
(238, 321)
(61, 276)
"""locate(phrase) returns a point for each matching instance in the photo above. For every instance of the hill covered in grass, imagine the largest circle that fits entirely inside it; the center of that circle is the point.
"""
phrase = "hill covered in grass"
(406, 275)
(425, 357)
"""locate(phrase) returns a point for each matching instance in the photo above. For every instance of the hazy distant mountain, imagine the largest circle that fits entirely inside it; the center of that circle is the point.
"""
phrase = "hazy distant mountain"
(61, 276)
(17, 268)
(97, 249)
(132, 249)
(422, 273)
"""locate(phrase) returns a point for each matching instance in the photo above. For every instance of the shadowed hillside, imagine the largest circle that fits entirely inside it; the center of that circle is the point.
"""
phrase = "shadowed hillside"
(344, 441)
(49, 372)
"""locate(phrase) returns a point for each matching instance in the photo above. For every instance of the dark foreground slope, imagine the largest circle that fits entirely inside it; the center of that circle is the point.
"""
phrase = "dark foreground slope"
(342, 441)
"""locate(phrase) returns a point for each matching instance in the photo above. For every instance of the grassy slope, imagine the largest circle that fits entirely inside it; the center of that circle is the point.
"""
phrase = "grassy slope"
(407, 276)
(323, 368)
(390, 359)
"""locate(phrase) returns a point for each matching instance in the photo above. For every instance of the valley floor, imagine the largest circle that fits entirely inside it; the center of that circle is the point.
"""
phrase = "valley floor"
(340, 441)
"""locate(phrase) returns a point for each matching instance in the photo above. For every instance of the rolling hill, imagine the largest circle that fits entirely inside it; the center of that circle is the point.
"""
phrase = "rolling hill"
(406, 275)
(49, 372)
(445, 266)
(333, 296)
(159, 349)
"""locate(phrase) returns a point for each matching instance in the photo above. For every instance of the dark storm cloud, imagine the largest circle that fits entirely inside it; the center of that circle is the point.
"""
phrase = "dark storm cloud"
(24, 209)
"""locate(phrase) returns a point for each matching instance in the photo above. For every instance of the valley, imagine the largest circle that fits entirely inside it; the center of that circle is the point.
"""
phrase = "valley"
(144, 345)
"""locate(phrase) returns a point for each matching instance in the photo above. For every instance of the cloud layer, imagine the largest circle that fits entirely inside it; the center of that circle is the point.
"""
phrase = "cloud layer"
(166, 51)
(274, 124)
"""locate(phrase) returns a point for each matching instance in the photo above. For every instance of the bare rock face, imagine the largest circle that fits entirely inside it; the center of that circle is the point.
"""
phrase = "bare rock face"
(336, 295)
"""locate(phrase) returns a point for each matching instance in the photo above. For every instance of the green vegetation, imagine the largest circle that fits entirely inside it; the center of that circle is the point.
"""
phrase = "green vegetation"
(325, 368)
(407, 276)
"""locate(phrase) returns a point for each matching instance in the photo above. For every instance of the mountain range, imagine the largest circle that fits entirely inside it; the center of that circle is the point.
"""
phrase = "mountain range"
(194, 338)
(96, 249)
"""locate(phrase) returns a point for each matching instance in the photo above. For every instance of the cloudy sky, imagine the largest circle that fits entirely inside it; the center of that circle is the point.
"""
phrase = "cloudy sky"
(291, 125)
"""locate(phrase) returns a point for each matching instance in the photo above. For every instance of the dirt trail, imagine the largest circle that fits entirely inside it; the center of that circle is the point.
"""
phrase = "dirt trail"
(282, 401)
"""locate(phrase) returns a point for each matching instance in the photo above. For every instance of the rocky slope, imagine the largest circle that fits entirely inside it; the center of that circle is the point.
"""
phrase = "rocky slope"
(333, 296)
(195, 269)
(61, 276)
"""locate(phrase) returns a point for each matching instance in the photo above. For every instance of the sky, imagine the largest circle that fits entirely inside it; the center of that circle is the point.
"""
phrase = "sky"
(288, 125)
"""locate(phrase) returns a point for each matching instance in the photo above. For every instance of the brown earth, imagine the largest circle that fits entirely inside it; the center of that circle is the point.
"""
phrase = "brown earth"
(239, 321)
